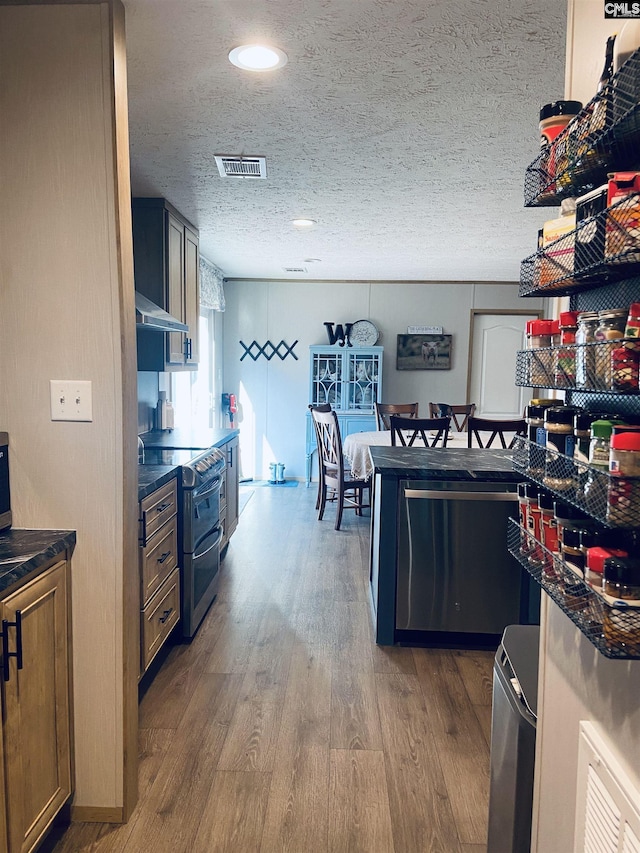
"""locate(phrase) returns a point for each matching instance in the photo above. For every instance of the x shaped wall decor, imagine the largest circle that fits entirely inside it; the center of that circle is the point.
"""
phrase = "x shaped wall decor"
(268, 350)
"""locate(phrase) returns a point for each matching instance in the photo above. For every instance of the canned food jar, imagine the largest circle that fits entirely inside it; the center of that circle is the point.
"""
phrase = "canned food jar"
(554, 118)
(558, 469)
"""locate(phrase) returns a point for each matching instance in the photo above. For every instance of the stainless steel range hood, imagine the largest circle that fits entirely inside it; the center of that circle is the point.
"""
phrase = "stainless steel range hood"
(153, 317)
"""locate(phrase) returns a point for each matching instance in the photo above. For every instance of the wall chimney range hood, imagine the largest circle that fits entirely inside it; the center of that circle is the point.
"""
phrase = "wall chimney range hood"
(153, 317)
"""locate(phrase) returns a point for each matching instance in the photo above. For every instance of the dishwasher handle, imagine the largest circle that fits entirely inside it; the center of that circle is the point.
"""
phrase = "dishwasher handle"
(448, 495)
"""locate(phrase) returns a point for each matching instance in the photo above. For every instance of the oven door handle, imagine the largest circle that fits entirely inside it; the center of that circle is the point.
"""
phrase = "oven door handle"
(197, 554)
(201, 496)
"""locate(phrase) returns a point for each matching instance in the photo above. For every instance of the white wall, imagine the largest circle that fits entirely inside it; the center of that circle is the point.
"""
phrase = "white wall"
(274, 395)
(576, 681)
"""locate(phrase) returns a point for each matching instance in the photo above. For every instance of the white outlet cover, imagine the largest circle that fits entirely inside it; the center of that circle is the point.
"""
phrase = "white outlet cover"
(71, 400)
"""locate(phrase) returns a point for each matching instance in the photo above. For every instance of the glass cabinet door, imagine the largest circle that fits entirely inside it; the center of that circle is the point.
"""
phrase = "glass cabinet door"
(363, 378)
(327, 379)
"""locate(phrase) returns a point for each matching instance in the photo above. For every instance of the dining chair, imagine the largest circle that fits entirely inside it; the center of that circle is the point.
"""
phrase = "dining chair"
(385, 410)
(320, 407)
(516, 427)
(460, 414)
(349, 492)
(406, 431)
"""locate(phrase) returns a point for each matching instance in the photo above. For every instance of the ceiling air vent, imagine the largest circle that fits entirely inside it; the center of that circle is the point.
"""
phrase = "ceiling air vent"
(295, 269)
(237, 166)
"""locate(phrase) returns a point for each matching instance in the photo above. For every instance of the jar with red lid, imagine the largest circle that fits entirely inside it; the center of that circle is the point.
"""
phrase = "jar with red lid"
(564, 359)
(554, 118)
(623, 506)
(539, 337)
(594, 579)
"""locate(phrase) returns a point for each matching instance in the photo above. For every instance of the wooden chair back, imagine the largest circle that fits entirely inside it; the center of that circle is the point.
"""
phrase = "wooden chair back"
(496, 428)
(406, 431)
(320, 407)
(385, 410)
(335, 483)
(459, 414)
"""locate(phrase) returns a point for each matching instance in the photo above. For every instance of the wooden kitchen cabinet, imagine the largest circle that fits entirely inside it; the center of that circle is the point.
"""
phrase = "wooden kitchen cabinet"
(166, 257)
(159, 571)
(37, 758)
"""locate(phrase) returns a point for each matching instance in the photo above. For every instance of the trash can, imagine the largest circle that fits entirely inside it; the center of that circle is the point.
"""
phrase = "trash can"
(513, 740)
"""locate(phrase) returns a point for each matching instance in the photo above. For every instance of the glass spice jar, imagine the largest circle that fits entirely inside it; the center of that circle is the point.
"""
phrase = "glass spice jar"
(574, 588)
(558, 469)
(623, 506)
(534, 415)
(624, 370)
(611, 325)
(548, 535)
(585, 354)
(632, 329)
(621, 590)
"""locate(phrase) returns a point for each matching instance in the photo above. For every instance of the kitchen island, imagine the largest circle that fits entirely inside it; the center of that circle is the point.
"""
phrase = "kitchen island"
(467, 469)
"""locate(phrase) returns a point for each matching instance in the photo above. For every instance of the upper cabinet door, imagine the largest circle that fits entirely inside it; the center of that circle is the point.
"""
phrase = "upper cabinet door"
(166, 264)
(175, 287)
(192, 294)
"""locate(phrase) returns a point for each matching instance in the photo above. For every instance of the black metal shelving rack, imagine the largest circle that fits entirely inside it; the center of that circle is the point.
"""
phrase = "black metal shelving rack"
(603, 138)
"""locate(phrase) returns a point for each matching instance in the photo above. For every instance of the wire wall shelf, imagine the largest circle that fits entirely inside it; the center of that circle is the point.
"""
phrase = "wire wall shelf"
(611, 625)
(589, 368)
(611, 500)
(603, 137)
(602, 249)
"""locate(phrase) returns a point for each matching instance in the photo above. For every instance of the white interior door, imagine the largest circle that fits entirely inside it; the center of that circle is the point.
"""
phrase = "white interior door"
(495, 340)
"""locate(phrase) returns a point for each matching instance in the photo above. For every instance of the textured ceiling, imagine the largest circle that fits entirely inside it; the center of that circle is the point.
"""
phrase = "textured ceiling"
(402, 126)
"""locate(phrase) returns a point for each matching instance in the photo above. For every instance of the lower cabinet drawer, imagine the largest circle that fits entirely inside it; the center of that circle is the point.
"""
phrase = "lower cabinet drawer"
(159, 617)
(158, 559)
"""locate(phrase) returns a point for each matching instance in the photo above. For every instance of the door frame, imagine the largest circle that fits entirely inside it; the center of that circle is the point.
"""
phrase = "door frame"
(506, 312)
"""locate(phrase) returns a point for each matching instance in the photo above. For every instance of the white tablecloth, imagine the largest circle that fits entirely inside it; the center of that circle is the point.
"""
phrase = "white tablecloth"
(355, 448)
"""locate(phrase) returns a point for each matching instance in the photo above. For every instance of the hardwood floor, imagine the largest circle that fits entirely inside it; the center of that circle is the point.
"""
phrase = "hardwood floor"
(283, 727)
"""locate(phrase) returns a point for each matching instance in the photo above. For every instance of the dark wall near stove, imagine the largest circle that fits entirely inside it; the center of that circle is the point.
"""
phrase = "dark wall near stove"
(147, 399)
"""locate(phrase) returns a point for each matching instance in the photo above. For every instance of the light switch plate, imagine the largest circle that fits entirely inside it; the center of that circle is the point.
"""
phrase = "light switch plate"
(70, 400)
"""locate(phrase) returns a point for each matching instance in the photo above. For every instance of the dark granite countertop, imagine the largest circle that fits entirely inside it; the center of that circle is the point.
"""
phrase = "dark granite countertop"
(177, 439)
(24, 551)
(151, 477)
(456, 463)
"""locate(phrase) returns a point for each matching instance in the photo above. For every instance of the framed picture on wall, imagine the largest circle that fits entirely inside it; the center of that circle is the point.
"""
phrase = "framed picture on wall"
(424, 352)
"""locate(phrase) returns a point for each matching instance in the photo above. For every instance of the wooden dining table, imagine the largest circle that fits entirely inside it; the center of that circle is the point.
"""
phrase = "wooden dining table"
(355, 448)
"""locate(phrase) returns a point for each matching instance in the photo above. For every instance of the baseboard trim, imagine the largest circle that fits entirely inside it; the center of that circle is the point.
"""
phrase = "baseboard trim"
(97, 814)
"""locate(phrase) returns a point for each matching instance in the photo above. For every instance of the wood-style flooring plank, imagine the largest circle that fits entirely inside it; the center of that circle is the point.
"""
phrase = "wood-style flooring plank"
(393, 660)
(175, 804)
(421, 813)
(253, 730)
(297, 816)
(460, 743)
(476, 671)
(355, 722)
(360, 819)
(233, 816)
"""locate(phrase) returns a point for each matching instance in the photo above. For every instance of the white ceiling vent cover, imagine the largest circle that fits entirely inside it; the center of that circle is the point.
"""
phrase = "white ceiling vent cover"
(295, 269)
(238, 166)
(607, 815)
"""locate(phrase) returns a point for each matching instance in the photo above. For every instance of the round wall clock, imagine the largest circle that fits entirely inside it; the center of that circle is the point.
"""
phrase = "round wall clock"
(363, 334)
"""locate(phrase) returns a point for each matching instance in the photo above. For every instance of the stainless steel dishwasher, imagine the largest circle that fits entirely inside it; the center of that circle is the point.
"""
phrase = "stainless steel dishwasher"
(454, 573)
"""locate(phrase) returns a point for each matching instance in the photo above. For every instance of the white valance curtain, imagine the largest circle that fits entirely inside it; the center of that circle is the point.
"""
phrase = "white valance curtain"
(211, 285)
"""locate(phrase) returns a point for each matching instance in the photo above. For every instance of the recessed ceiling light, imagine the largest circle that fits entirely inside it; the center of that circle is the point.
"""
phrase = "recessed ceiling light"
(312, 260)
(257, 57)
(303, 223)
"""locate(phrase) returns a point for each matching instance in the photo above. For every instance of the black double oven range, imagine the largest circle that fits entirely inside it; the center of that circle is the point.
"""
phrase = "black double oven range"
(199, 527)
